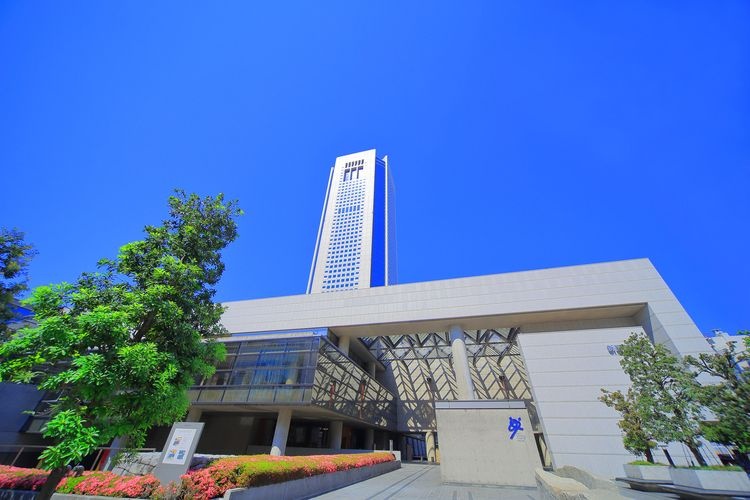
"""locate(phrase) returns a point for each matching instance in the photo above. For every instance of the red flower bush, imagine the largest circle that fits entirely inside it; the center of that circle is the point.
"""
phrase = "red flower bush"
(204, 484)
(90, 483)
(18, 478)
(259, 470)
(110, 485)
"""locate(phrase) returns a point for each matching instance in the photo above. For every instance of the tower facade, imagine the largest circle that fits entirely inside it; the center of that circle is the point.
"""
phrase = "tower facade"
(356, 245)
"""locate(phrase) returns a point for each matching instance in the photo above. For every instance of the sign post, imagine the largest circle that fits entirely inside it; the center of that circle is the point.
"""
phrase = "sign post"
(178, 451)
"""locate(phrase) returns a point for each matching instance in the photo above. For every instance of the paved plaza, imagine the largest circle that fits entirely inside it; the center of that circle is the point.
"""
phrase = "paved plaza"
(415, 480)
(423, 481)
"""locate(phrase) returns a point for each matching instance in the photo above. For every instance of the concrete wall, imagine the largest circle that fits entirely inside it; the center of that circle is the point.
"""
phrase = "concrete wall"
(567, 370)
(475, 445)
(500, 300)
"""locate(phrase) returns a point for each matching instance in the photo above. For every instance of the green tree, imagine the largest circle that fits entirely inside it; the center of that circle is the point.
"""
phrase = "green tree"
(728, 398)
(634, 437)
(122, 345)
(15, 255)
(662, 392)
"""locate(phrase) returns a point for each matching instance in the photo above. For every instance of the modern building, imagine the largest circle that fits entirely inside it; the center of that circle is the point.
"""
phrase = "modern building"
(720, 342)
(376, 368)
(491, 376)
(356, 245)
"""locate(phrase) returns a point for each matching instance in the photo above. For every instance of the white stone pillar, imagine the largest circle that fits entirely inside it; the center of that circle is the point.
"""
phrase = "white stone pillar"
(430, 445)
(335, 431)
(291, 375)
(194, 414)
(464, 383)
(371, 368)
(369, 438)
(344, 345)
(281, 433)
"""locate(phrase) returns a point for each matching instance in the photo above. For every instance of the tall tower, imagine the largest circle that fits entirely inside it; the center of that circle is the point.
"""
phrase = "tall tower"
(356, 246)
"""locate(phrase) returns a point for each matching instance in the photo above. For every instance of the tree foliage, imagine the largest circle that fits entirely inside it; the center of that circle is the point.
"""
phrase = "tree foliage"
(15, 255)
(662, 389)
(729, 397)
(122, 345)
(634, 438)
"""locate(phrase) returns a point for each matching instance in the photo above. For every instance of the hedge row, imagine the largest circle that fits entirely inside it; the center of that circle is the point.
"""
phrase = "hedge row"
(259, 470)
(90, 483)
(204, 484)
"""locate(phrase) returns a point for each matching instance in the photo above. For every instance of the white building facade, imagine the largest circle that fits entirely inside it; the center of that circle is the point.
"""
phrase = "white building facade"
(541, 341)
(356, 245)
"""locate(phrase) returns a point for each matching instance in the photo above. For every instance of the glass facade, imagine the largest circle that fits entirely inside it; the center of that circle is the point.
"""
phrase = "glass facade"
(297, 371)
(262, 371)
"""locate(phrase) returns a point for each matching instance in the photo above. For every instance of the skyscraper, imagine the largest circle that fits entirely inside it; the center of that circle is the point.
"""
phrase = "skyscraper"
(356, 245)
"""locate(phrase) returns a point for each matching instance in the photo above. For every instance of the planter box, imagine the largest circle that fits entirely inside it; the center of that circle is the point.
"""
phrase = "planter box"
(17, 494)
(720, 480)
(312, 486)
(648, 472)
(299, 488)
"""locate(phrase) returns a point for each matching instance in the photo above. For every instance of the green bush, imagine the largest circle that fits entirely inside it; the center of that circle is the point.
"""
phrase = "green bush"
(260, 470)
(644, 462)
(714, 467)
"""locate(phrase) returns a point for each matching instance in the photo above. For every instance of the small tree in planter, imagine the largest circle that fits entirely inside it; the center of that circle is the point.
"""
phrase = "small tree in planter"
(634, 438)
(729, 399)
(662, 389)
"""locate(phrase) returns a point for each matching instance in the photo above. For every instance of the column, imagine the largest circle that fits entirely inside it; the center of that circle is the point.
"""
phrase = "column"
(430, 445)
(281, 433)
(118, 445)
(292, 373)
(194, 414)
(371, 368)
(464, 383)
(369, 438)
(344, 345)
(335, 430)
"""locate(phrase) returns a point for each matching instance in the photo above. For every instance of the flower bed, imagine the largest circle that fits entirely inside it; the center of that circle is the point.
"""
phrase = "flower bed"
(259, 470)
(18, 478)
(210, 482)
(90, 483)
(107, 484)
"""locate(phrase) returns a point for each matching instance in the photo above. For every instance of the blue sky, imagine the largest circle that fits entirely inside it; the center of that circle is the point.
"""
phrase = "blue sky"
(522, 135)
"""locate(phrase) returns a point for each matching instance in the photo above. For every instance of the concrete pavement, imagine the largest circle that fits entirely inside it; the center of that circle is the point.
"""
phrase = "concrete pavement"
(423, 481)
(417, 480)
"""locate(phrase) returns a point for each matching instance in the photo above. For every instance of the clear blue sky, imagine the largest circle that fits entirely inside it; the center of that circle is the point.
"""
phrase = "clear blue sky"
(522, 135)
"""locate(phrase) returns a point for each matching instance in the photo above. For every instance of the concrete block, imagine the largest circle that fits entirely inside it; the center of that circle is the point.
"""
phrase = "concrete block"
(476, 446)
(710, 479)
(648, 472)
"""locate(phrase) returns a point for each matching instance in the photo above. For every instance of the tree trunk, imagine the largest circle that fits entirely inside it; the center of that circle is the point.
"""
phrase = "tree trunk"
(741, 459)
(696, 452)
(54, 478)
(649, 455)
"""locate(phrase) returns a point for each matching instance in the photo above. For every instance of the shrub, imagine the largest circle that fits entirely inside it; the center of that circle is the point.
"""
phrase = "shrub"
(259, 470)
(204, 484)
(90, 483)
(108, 484)
(715, 467)
(18, 478)
(645, 462)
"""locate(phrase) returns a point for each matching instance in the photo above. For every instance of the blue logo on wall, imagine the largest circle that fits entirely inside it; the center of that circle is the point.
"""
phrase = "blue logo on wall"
(514, 425)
